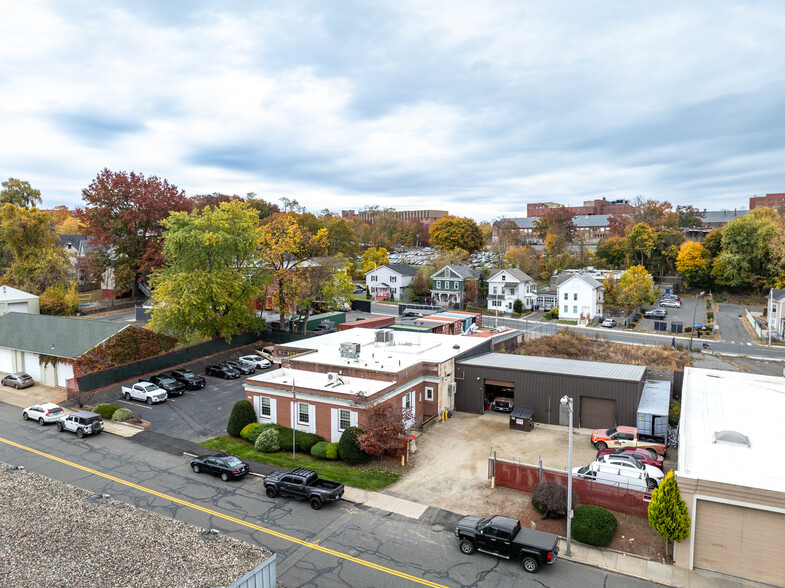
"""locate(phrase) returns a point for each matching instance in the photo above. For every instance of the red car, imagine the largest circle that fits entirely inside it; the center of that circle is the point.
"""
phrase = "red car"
(643, 455)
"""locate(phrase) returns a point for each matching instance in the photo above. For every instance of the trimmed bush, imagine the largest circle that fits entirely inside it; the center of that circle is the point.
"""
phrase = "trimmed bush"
(348, 448)
(331, 452)
(550, 499)
(242, 414)
(267, 442)
(106, 410)
(251, 432)
(306, 441)
(122, 414)
(593, 525)
(319, 450)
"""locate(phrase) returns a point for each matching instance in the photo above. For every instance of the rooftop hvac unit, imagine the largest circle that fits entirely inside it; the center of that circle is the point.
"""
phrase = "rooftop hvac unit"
(350, 350)
(384, 337)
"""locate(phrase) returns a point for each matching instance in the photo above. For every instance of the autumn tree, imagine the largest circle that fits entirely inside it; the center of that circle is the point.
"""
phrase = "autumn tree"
(471, 290)
(666, 249)
(508, 235)
(20, 193)
(639, 242)
(619, 225)
(372, 258)
(486, 229)
(636, 287)
(610, 295)
(123, 215)
(335, 292)
(341, 238)
(688, 216)
(386, 425)
(612, 251)
(452, 232)
(212, 274)
(558, 222)
(525, 258)
(418, 287)
(653, 213)
(668, 513)
(694, 264)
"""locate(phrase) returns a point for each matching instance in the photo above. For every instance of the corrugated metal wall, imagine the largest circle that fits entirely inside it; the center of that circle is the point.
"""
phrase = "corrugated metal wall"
(542, 392)
(262, 576)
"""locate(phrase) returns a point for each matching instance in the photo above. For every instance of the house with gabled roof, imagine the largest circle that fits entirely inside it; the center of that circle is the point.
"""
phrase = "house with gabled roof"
(776, 314)
(505, 286)
(13, 300)
(449, 284)
(388, 281)
(580, 296)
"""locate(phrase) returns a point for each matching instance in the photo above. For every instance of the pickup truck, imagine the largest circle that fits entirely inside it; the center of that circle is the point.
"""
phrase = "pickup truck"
(146, 391)
(623, 437)
(303, 484)
(504, 537)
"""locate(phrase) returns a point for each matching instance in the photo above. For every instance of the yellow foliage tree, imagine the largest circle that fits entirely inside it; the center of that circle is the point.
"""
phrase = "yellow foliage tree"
(694, 264)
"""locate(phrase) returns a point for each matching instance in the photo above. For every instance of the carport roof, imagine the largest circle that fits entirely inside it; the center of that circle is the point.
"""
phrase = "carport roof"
(556, 365)
(57, 336)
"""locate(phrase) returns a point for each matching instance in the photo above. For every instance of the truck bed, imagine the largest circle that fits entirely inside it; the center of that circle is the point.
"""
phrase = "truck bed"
(536, 539)
(328, 485)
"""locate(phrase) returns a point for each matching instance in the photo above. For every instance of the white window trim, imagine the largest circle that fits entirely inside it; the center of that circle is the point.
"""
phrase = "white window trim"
(269, 406)
(299, 422)
(428, 393)
(340, 410)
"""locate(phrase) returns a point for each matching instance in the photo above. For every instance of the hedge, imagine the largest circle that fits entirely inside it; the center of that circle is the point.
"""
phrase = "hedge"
(348, 448)
(332, 451)
(242, 414)
(106, 410)
(267, 442)
(122, 414)
(319, 450)
(593, 525)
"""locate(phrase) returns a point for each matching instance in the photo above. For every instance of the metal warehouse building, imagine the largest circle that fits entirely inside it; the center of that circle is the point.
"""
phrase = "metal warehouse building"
(604, 394)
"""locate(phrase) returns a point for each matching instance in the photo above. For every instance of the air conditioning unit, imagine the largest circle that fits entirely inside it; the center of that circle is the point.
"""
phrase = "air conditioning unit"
(332, 377)
(384, 337)
(451, 387)
(350, 350)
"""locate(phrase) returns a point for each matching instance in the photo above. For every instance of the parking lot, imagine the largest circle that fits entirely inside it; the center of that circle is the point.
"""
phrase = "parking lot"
(682, 315)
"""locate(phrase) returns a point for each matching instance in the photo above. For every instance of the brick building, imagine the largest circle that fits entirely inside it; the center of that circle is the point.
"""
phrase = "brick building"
(774, 200)
(590, 207)
(425, 216)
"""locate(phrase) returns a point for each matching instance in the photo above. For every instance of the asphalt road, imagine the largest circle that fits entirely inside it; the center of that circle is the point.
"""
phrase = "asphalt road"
(340, 545)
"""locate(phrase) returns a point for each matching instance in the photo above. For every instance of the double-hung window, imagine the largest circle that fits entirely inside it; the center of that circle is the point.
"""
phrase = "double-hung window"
(429, 394)
(265, 405)
(344, 419)
(303, 416)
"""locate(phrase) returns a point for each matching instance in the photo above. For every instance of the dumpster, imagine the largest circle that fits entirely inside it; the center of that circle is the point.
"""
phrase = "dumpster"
(522, 418)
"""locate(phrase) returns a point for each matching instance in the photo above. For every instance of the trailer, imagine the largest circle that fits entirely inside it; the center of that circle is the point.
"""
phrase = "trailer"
(653, 410)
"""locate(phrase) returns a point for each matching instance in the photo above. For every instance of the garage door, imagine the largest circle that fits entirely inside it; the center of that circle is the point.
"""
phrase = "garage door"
(597, 413)
(740, 541)
(17, 307)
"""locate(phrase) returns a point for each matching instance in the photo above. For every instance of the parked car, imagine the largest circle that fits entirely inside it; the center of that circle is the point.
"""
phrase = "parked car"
(190, 379)
(671, 297)
(144, 391)
(504, 537)
(18, 380)
(261, 362)
(609, 322)
(670, 303)
(244, 367)
(82, 423)
(228, 467)
(623, 437)
(628, 461)
(43, 413)
(616, 475)
(303, 484)
(643, 455)
(172, 386)
(656, 313)
(222, 371)
(503, 404)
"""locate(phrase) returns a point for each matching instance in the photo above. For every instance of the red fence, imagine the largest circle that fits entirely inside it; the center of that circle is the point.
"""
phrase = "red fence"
(525, 477)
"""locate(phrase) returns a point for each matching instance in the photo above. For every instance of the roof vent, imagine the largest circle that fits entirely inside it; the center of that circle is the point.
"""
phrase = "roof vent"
(731, 437)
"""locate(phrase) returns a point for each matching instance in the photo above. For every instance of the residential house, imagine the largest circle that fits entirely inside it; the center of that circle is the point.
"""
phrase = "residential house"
(776, 312)
(508, 285)
(323, 380)
(580, 297)
(13, 300)
(449, 284)
(388, 281)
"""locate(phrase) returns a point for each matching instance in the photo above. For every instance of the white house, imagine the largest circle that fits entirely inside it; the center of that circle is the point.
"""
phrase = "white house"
(508, 285)
(13, 300)
(449, 284)
(389, 280)
(579, 296)
(776, 313)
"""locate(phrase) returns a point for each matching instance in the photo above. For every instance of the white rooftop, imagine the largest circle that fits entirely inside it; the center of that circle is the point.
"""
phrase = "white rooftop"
(405, 350)
(340, 385)
(9, 293)
(751, 404)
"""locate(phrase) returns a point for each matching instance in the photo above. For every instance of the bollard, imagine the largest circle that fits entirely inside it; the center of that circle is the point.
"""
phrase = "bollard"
(403, 463)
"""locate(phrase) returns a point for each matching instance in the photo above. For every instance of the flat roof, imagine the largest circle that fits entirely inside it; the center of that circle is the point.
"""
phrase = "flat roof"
(556, 365)
(337, 386)
(405, 350)
(751, 404)
(656, 398)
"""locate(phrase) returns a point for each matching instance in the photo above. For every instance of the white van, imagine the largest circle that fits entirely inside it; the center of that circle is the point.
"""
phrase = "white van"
(616, 475)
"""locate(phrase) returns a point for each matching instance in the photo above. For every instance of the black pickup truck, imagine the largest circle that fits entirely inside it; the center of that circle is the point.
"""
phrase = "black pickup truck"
(504, 537)
(303, 484)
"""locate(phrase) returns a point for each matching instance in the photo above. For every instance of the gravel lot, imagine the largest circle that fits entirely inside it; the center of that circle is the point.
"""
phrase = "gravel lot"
(53, 534)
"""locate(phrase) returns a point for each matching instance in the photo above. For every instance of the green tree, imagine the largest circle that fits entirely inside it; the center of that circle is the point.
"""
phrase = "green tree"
(341, 238)
(57, 299)
(668, 512)
(712, 243)
(452, 232)
(336, 291)
(374, 257)
(242, 414)
(636, 287)
(689, 216)
(693, 264)
(517, 306)
(212, 274)
(610, 295)
(613, 252)
(19, 193)
(640, 242)
(418, 287)
(666, 250)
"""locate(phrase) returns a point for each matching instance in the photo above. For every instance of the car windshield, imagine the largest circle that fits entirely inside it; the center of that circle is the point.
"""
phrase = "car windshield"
(637, 464)
(584, 470)
(150, 388)
(187, 374)
(167, 381)
(610, 432)
(483, 523)
(652, 454)
(25, 377)
(232, 461)
(56, 410)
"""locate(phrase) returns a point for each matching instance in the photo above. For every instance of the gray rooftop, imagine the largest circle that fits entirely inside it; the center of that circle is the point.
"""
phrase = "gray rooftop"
(776, 294)
(656, 398)
(556, 365)
(403, 269)
(722, 216)
(580, 220)
(464, 271)
(516, 273)
(39, 333)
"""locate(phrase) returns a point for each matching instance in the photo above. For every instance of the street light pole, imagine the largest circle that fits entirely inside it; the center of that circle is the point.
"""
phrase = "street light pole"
(567, 401)
(694, 310)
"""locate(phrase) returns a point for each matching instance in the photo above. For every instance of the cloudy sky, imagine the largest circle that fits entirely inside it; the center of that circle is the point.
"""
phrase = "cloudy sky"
(472, 107)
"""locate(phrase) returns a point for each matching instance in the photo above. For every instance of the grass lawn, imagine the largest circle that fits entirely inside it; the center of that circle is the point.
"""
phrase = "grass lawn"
(366, 476)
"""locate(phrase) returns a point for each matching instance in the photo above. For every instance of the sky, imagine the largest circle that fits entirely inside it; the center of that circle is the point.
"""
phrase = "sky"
(472, 107)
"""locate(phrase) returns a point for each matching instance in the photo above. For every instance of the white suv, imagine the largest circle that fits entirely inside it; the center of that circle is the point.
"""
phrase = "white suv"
(82, 423)
(43, 413)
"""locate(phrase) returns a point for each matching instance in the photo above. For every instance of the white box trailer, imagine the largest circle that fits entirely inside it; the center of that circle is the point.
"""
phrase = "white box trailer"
(653, 409)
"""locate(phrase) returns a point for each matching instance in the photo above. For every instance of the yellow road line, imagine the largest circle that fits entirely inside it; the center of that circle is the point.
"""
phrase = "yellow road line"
(136, 404)
(308, 544)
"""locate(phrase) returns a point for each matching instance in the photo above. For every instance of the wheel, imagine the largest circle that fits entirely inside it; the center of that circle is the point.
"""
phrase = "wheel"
(652, 484)
(16, 386)
(316, 503)
(24, 416)
(225, 477)
(127, 396)
(195, 468)
(530, 564)
(601, 446)
(271, 492)
(467, 547)
(2, 382)
(41, 421)
(80, 433)
(60, 427)
(149, 400)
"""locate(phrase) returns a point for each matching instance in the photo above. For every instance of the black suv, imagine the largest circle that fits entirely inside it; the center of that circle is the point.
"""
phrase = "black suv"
(190, 379)
(172, 386)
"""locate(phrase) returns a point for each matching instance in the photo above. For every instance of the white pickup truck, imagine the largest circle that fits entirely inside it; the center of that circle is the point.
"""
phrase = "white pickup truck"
(146, 391)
